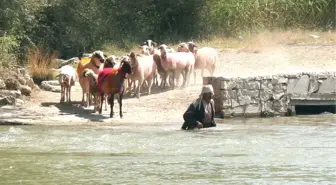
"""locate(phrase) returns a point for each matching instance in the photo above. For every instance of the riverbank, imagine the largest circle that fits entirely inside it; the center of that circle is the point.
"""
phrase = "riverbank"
(167, 107)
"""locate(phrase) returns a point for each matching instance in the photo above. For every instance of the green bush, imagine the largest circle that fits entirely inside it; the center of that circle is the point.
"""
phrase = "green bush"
(8, 46)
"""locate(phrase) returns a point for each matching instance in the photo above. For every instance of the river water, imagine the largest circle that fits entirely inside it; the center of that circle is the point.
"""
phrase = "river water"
(296, 150)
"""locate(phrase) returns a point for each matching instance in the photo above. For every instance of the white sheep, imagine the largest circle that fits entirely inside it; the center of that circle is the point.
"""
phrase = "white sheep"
(67, 78)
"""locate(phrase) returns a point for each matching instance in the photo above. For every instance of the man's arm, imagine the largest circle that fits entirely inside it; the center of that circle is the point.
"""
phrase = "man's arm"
(213, 123)
(189, 115)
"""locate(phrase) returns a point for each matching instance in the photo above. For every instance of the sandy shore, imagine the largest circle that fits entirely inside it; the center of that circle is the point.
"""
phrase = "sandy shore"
(165, 107)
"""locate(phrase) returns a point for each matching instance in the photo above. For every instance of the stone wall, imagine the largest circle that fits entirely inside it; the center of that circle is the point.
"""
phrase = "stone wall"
(267, 95)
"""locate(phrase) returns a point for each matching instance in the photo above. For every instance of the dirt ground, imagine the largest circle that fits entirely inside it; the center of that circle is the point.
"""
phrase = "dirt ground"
(168, 106)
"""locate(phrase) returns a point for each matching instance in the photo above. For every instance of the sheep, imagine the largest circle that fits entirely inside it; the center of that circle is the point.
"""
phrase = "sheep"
(183, 47)
(151, 44)
(111, 82)
(176, 63)
(93, 86)
(67, 78)
(144, 70)
(95, 64)
(205, 58)
(145, 50)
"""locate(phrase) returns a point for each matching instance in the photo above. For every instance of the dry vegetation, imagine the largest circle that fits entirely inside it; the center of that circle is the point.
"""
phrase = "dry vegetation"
(40, 64)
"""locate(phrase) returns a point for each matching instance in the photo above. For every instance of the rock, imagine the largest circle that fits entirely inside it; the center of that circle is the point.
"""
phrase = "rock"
(2, 84)
(22, 80)
(25, 90)
(298, 85)
(8, 100)
(266, 108)
(12, 84)
(19, 102)
(48, 86)
(233, 94)
(227, 112)
(30, 83)
(15, 94)
(328, 86)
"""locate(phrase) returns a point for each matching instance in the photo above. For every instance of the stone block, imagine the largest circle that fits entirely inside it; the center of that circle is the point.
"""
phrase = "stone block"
(233, 94)
(234, 103)
(266, 84)
(252, 85)
(266, 108)
(314, 85)
(225, 95)
(277, 95)
(298, 85)
(283, 80)
(226, 104)
(244, 100)
(279, 87)
(328, 86)
(252, 110)
(250, 93)
(227, 112)
(265, 95)
(224, 85)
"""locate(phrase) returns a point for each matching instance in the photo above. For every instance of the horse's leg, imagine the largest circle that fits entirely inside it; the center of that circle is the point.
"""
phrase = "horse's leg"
(101, 103)
(105, 99)
(111, 105)
(120, 105)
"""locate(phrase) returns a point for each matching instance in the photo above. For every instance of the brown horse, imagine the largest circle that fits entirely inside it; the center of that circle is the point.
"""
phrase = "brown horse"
(111, 82)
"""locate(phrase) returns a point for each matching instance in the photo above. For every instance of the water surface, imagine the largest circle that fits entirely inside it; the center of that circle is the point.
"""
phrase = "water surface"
(299, 150)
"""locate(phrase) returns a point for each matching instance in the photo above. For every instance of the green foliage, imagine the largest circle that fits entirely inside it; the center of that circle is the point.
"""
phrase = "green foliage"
(7, 51)
(75, 26)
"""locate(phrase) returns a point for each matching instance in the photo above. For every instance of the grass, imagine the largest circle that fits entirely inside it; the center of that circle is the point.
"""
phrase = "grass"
(40, 64)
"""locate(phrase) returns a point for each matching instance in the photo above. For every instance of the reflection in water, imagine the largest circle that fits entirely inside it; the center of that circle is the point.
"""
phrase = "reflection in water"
(299, 150)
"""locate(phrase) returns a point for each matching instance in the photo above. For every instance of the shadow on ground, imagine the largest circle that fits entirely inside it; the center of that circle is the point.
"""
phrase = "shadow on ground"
(75, 108)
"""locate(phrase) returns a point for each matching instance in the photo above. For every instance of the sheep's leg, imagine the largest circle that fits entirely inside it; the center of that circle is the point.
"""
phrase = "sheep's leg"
(87, 99)
(174, 77)
(139, 87)
(111, 105)
(120, 105)
(83, 95)
(185, 79)
(150, 83)
(101, 103)
(62, 94)
(70, 94)
(194, 76)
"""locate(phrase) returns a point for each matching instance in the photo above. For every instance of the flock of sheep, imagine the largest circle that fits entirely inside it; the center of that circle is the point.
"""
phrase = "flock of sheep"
(103, 79)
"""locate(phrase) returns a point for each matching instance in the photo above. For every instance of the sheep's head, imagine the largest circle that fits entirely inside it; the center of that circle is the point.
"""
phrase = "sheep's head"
(192, 47)
(150, 43)
(125, 65)
(110, 61)
(98, 57)
(145, 50)
(183, 47)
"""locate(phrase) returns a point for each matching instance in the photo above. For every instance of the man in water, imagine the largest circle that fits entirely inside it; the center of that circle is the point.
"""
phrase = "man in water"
(200, 114)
